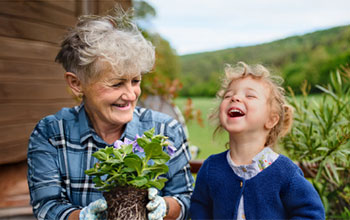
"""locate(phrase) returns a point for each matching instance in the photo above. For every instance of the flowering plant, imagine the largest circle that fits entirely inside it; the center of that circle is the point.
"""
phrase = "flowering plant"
(124, 167)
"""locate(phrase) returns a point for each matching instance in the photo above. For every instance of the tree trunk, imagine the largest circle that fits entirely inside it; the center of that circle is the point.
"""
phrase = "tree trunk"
(127, 202)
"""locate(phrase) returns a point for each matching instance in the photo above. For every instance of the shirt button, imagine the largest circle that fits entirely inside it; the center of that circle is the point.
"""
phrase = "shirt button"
(244, 169)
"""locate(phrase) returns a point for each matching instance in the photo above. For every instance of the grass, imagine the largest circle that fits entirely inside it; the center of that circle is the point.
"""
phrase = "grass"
(202, 137)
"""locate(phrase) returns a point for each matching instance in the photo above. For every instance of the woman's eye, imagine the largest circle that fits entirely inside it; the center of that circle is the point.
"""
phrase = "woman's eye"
(136, 81)
(117, 84)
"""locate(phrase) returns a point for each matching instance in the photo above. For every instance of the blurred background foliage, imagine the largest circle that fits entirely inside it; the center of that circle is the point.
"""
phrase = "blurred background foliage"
(320, 140)
(164, 80)
(316, 70)
(308, 57)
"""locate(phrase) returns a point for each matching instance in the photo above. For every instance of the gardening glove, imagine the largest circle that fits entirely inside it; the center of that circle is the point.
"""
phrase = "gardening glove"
(157, 206)
(94, 211)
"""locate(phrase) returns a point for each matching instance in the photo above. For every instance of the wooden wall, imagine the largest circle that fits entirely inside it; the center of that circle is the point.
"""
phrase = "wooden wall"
(31, 83)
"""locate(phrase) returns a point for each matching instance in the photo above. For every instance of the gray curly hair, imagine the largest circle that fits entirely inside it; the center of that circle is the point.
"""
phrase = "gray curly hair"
(100, 43)
(276, 100)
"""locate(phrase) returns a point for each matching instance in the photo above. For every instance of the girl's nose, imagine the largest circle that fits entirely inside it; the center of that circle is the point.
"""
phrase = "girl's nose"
(235, 98)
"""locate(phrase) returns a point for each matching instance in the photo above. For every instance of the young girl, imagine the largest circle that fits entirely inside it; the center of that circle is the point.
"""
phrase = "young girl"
(250, 180)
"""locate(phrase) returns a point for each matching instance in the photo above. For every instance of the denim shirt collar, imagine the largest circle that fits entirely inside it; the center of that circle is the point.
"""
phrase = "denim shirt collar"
(131, 128)
(85, 126)
(87, 131)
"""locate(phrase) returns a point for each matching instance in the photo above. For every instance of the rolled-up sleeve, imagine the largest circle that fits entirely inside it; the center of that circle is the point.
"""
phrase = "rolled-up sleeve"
(45, 183)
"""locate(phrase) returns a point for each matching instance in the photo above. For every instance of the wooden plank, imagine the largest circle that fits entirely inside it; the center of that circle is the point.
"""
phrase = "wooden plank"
(14, 190)
(17, 113)
(69, 6)
(12, 135)
(20, 28)
(29, 70)
(13, 180)
(37, 11)
(104, 6)
(42, 90)
(17, 48)
(15, 151)
(18, 211)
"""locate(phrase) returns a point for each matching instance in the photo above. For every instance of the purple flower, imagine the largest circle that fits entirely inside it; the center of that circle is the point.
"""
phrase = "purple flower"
(171, 150)
(136, 146)
(127, 141)
(118, 144)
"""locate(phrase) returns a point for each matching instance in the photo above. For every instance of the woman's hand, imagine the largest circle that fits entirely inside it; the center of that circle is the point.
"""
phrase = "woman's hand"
(162, 207)
(157, 206)
(94, 211)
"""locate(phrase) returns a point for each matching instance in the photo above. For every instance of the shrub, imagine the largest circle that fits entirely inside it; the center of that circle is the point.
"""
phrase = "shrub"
(319, 141)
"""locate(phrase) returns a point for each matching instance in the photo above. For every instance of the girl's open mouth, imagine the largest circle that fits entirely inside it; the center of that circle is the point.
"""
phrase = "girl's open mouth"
(235, 112)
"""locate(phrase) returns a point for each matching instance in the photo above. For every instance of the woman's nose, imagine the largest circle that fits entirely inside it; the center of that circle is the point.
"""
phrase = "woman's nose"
(129, 93)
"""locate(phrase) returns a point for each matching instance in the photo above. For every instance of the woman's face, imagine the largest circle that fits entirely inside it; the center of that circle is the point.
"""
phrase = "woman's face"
(110, 100)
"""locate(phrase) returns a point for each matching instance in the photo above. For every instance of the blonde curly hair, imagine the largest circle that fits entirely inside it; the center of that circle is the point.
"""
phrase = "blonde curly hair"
(276, 99)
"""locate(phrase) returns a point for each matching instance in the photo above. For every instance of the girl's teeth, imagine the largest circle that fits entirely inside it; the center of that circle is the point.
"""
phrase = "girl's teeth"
(235, 113)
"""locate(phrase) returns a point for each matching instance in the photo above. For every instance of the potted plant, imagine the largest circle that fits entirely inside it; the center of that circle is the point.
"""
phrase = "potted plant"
(126, 170)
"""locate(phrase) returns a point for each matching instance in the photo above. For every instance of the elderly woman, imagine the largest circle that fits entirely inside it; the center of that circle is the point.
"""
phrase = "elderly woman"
(104, 59)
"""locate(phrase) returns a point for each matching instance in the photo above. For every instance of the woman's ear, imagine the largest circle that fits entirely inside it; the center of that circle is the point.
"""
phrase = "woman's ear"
(74, 84)
(272, 121)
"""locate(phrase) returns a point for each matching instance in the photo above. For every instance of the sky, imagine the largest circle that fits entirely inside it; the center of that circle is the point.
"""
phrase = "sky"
(193, 26)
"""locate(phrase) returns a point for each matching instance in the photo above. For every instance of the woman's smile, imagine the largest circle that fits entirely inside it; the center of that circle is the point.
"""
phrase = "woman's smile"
(125, 106)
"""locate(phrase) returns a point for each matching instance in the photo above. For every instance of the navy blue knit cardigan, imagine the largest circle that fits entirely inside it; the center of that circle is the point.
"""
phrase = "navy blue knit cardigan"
(278, 192)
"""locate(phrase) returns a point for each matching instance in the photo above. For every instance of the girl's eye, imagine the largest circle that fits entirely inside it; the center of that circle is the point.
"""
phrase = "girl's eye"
(251, 96)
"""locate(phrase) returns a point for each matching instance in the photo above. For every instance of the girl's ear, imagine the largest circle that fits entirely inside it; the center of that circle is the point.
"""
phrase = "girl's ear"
(272, 121)
(74, 84)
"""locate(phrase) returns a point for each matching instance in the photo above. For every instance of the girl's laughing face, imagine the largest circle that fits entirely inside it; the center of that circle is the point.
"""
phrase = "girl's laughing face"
(245, 106)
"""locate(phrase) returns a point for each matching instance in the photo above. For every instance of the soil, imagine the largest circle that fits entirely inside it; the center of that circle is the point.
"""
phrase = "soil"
(125, 203)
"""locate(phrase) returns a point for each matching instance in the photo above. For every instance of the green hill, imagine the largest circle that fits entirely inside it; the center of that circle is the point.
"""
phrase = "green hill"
(308, 57)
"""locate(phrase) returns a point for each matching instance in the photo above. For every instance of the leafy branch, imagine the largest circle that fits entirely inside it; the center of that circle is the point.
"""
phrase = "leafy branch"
(138, 163)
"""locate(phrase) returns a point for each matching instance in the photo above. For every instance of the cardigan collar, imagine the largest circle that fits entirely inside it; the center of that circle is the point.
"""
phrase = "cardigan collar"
(262, 160)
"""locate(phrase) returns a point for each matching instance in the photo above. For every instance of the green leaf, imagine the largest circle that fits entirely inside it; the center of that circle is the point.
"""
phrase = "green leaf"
(161, 158)
(159, 183)
(142, 142)
(133, 161)
(106, 168)
(158, 169)
(109, 150)
(117, 154)
(91, 171)
(333, 169)
(153, 149)
(139, 181)
(128, 170)
(101, 156)
(98, 182)
(127, 148)
(149, 134)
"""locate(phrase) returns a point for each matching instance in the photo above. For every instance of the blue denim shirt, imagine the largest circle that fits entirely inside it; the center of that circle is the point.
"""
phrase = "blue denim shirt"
(60, 149)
